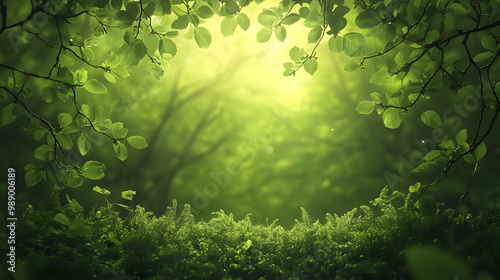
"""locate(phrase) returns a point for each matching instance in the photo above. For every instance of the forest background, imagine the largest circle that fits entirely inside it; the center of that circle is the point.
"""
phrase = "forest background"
(224, 128)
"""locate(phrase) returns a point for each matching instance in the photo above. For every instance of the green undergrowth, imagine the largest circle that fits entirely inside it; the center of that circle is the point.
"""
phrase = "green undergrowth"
(383, 242)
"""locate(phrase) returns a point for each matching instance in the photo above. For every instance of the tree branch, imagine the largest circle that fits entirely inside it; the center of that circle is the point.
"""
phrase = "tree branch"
(3, 10)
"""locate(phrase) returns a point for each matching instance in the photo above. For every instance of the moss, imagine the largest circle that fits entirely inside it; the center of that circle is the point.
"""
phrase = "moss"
(175, 246)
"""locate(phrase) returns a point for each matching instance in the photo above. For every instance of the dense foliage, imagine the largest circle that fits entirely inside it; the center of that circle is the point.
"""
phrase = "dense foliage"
(69, 76)
(422, 36)
(362, 244)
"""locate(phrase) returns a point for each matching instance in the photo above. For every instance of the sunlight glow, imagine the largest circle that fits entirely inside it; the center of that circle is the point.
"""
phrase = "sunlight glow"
(260, 63)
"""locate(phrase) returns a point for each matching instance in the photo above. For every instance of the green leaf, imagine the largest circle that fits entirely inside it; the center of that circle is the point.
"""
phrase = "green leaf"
(431, 118)
(297, 54)
(64, 119)
(368, 18)
(87, 111)
(280, 33)
(392, 118)
(93, 170)
(247, 245)
(117, 4)
(126, 207)
(166, 6)
(194, 19)
(6, 114)
(181, 22)
(32, 178)
(48, 94)
(167, 46)
(83, 144)
(264, 35)
(228, 26)
(336, 44)
(121, 151)
(80, 76)
(62, 219)
(469, 158)
(489, 43)
(383, 192)
(467, 91)
(480, 57)
(432, 36)
(113, 60)
(400, 59)
(140, 50)
(304, 12)
(101, 191)
(351, 66)
(450, 21)
(415, 188)
(243, 21)
(118, 131)
(102, 112)
(457, 9)
(50, 140)
(231, 7)
(268, 17)
(94, 86)
(128, 195)
(91, 164)
(365, 107)
(137, 142)
(337, 22)
(122, 19)
(377, 97)
(205, 12)
(380, 78)
(432, 155)
(202, 37)
(424, 166)
(70, 129)
(341, 10)
(29, 167)
(72, 179)
(88, 54)
(311, 66)
(290, 19)
(288, 65)
(288, 72)
(132, 10)
(353, 43)
(314, 34)
(464, 147)
(43, 152)
(121, 72)
(65, 75)
(109, 77)
(461, 137)
(150, 8)
(66, 58)
(157, 71)
(65, 141)
(480, 151)
(448, 144)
